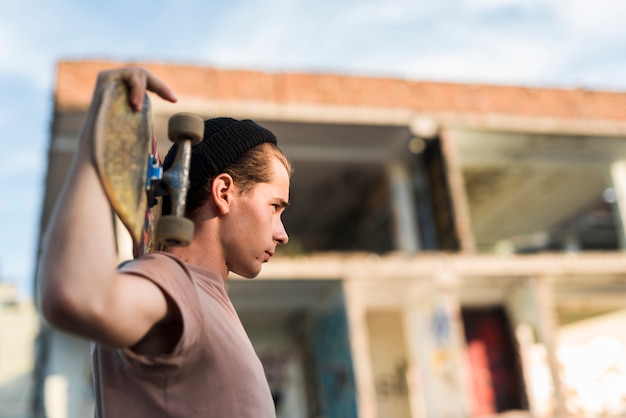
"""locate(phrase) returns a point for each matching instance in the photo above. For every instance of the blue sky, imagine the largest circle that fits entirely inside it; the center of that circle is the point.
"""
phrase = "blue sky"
(553, 43)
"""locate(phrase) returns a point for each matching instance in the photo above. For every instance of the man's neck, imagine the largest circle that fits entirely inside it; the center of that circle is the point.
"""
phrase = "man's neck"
(201, 256)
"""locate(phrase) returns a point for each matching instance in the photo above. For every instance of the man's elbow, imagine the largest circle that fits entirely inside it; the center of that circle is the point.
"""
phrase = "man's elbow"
(64, 309)
(56, 308)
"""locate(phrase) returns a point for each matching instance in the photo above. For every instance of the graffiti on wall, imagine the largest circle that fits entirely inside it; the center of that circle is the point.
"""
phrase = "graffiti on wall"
(393, 383)
(440, 327)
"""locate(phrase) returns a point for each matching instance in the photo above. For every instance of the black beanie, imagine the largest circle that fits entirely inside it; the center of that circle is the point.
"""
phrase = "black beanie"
(225, 140)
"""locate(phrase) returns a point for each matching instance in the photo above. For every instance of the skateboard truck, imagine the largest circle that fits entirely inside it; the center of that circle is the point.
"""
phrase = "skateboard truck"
(185, 130)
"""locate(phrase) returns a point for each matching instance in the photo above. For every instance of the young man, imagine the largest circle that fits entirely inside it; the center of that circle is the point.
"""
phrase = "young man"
(167, 339)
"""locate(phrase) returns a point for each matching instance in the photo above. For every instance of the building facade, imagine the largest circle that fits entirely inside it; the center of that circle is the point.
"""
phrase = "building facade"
(449, 243)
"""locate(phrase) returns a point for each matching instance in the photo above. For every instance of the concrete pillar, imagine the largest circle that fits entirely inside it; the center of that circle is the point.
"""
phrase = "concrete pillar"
(68, 386)
(547, 328)
(405, 214)
(363, 373)
(436, 351)
(417, 356)
(618, 181)
(526, 315)
(458, 193)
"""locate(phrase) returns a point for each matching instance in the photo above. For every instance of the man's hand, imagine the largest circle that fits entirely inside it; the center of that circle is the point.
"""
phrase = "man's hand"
(139, 80)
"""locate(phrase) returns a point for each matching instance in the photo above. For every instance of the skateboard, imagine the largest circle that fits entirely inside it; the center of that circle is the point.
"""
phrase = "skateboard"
(127, 161)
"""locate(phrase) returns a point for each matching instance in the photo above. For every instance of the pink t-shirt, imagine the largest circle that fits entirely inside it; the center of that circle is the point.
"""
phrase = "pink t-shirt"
(212, 372)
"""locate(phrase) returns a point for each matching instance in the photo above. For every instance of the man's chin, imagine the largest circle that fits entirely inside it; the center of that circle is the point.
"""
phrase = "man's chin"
(248, 274)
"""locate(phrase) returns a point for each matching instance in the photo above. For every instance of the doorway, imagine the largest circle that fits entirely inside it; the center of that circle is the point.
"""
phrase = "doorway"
(496, 379)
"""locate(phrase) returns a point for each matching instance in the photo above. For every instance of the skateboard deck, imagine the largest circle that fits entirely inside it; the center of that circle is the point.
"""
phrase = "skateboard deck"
(127, 161)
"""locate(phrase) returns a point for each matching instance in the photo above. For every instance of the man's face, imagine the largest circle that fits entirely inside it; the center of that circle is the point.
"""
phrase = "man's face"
(254, 227)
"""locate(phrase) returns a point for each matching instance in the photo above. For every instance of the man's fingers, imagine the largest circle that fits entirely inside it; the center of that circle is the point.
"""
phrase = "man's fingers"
(159, 87)
(139, 80)
(136, 79)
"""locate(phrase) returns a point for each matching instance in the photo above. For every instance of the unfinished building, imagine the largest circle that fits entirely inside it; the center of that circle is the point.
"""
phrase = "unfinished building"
(449, 243)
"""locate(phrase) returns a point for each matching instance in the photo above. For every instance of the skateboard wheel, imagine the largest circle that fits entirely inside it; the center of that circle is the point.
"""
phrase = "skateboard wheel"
(174, 231)
(185, 126)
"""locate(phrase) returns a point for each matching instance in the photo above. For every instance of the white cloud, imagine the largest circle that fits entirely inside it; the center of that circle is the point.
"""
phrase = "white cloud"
(536, 42)
(21, 57)
(597, 17)
(484, 5)
(389, 12)
(502, 62)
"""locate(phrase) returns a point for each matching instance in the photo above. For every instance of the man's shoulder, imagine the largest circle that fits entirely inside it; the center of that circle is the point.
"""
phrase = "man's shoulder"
(156, 259)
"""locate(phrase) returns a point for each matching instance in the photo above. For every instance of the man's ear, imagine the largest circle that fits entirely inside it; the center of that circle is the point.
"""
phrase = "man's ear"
(222, 190)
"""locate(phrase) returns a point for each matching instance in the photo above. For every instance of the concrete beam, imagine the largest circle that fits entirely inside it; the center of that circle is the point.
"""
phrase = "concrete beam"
(400, 267)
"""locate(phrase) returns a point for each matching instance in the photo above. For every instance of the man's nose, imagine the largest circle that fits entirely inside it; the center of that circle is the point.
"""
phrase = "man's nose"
(281, 236)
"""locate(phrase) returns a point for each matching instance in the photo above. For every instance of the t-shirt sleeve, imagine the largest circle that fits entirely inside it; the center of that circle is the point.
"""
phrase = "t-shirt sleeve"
(176, 282)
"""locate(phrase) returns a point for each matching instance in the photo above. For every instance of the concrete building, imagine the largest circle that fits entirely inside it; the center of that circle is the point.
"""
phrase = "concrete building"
(19, 324)
(449, 243)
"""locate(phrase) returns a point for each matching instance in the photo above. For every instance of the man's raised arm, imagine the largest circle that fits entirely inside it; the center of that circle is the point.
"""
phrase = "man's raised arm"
(79, 287)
